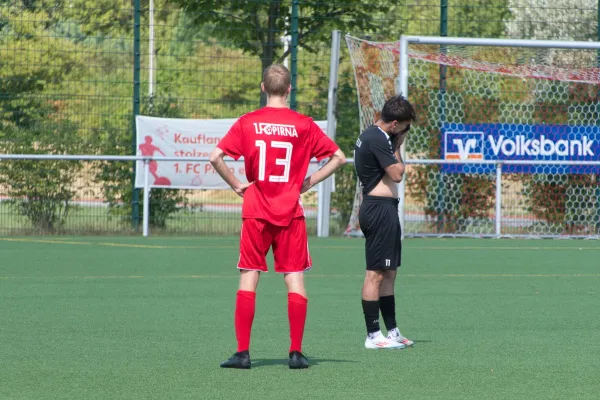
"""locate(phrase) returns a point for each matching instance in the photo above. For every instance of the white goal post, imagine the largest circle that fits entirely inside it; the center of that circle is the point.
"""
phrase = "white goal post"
(540, 99)
(405, 41)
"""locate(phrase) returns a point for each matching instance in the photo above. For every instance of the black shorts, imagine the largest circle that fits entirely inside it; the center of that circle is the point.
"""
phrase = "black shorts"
(379, 222)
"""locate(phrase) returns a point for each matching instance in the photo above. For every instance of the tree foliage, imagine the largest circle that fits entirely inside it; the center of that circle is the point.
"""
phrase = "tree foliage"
(32, 124)
(258, 26)
(42, 190)
(554, 20)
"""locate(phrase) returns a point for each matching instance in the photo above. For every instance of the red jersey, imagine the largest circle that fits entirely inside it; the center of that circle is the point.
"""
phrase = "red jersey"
(277, 145)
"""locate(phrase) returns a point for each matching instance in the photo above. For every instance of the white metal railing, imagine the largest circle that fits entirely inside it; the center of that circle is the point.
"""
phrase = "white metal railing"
(146, 188)
(146, 160)
(498, 164)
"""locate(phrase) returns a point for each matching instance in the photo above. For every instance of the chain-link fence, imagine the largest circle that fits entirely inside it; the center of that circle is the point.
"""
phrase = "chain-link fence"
(74, 73)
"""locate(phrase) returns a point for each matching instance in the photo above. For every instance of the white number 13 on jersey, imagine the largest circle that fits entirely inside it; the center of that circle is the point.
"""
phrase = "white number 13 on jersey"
(285, 162)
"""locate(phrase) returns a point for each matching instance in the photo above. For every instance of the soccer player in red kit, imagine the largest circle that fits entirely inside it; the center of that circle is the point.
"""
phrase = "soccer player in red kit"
(277, 145)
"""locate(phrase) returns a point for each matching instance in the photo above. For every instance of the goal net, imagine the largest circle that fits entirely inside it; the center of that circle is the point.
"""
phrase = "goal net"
(536, 106)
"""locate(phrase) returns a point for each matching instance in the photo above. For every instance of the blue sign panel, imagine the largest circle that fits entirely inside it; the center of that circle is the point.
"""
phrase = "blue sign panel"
(520, 142)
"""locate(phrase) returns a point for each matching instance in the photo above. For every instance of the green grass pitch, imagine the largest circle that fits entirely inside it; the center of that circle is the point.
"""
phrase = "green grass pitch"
(134, 318)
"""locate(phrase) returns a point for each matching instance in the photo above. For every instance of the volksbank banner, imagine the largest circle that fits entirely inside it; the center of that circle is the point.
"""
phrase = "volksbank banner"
(520, 142)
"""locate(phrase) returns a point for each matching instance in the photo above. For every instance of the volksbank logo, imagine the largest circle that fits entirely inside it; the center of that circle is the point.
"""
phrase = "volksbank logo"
(521, 146)
(472, 146)
(464, 146)
(470, 143)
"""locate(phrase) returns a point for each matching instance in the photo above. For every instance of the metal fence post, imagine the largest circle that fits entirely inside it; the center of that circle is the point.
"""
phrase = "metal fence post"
(151, 55)
(135, 198)
(294, 53)
(441, 193)
(146, 210)
(498, 200)
(598, 121)
(403, 89)
(324, 199)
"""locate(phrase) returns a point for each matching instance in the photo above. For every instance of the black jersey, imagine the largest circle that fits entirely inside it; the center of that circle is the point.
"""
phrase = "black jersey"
(372, 154)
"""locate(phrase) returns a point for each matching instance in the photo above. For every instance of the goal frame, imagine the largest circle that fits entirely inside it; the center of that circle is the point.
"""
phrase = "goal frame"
(402, 88)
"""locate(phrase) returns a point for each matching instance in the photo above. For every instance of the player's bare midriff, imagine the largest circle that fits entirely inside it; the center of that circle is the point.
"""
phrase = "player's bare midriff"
(385, 188)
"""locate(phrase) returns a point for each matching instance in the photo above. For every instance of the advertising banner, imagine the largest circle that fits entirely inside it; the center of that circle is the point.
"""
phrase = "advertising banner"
(175, 137)
(462, 142)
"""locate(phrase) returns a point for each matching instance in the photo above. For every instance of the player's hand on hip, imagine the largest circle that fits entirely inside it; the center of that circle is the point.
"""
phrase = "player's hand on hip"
(241, 189)
(305, 185)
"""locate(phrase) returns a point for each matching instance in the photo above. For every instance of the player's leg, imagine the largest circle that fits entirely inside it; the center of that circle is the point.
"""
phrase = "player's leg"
(290, 251)
(370, 300)
(371, 305)
(297, 310)
(245, 305)
(393, 253)
(254, 245)
(372, 221)
(373, 277)
(387, 302)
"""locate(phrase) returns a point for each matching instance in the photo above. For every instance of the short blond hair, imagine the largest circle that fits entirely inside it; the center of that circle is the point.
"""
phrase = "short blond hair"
(276, 80)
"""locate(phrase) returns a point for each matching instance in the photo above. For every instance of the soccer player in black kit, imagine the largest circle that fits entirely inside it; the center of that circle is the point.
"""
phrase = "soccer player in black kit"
(380, 168)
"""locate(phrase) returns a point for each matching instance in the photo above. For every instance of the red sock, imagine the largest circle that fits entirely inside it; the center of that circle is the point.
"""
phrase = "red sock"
(244, 315)
(297, 305)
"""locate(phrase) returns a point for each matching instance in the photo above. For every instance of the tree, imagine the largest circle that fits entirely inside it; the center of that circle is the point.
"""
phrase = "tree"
(27, 73)
(32, 124)
(42, 191)
(554, 20)
(256, 26)
(478, 18)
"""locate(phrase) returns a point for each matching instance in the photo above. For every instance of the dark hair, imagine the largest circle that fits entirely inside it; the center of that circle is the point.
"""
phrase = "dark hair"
(397, 108)
(276, 79)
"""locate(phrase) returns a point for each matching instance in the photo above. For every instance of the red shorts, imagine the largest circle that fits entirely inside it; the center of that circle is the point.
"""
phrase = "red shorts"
(290, 246)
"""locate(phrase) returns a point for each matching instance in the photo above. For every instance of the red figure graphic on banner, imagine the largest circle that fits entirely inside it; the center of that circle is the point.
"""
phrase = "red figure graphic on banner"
(148, 149)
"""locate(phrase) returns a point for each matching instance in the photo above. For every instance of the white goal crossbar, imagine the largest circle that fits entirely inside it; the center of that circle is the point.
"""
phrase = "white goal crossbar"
(402, 88)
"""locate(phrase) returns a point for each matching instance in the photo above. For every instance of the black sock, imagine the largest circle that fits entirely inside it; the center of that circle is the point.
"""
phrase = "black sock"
(388, 311)
(371, 311)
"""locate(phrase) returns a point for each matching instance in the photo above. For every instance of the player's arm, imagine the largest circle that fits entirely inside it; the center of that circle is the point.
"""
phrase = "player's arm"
(335, 162)
(230, 145)
(397, 146)
(322, 147)
(397, 143)
(388, 158)
(396, 172)
(219, 164)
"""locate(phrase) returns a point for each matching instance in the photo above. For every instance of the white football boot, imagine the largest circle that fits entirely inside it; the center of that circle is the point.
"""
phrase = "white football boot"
(397, 337)
(378, 341)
